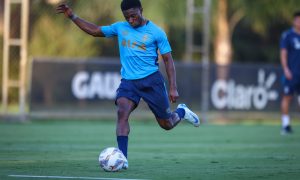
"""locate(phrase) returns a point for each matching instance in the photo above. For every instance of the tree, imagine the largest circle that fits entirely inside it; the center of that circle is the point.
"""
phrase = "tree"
(54, 35)
(1, 17)
(258, 14)
(222, 45)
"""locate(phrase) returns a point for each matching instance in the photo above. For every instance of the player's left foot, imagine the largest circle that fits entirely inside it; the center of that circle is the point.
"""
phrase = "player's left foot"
(286, 130)
(190, 116)
(125, 165)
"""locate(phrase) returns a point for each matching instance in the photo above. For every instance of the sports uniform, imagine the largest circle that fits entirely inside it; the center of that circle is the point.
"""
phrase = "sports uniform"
(290, 57)
(290, 41)
(140, 72)
(139, 41)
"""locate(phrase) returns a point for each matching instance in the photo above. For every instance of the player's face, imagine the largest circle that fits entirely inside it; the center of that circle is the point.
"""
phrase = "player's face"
(297, 23)
(134, 16)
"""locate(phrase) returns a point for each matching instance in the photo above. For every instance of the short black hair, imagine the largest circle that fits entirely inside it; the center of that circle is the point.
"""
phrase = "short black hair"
(296, 14)
(128, 4)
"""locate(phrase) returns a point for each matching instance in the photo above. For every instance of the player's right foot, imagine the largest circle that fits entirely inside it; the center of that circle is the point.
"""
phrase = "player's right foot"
(190, 116)
(286, 130)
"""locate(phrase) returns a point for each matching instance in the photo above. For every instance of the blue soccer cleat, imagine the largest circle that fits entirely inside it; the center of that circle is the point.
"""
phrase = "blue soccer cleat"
(190, 116)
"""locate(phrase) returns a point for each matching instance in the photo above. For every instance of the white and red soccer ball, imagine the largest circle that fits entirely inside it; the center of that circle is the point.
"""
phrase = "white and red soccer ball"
(112, 159)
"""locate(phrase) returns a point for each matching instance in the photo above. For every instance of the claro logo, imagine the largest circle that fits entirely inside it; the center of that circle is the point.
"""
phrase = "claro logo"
(230, 95)
(100, 85)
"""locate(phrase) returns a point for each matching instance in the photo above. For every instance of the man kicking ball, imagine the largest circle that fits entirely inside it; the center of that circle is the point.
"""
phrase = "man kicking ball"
(139, 40)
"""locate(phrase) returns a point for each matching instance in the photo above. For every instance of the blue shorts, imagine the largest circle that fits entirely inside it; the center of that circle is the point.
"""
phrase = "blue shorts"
(291, 87)
(153, 91)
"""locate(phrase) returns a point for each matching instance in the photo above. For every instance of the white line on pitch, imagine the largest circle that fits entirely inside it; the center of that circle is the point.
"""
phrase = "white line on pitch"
(68, 177)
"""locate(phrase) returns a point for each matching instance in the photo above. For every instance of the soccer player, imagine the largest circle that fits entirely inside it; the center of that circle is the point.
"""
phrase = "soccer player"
(139, 40)
(290, 61)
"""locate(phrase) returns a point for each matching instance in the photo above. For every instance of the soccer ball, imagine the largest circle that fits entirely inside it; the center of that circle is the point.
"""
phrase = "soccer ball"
(112, 159)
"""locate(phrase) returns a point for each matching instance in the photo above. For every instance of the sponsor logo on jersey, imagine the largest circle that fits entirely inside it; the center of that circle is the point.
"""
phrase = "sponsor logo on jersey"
(296, 43)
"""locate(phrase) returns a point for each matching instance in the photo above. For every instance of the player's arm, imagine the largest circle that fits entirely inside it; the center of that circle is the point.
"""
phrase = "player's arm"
(87, 27)
(171, 73)
(284, 63)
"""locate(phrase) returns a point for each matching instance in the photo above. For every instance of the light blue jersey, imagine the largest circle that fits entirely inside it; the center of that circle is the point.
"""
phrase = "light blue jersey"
(138, 47)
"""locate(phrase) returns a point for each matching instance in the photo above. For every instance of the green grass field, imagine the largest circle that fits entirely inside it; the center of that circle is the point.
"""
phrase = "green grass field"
(71, 148)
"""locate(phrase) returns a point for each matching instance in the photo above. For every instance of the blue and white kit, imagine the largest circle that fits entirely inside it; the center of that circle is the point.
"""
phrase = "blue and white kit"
(290, 41)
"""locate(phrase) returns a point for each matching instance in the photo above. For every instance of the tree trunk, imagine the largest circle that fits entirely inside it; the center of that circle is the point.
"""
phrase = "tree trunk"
(1, 16)
(223, 47)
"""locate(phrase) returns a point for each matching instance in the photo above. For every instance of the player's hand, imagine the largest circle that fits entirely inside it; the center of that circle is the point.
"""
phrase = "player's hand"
(63, 8)
(173, 95)
(288, 74)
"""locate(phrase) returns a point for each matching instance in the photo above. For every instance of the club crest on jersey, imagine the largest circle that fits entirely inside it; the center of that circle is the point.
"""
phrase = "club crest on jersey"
(145, 38)
(296, 43)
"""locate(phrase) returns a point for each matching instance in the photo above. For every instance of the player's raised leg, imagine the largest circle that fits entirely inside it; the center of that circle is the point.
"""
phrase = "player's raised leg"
(169, 123)
(157, 99)
(182, 113)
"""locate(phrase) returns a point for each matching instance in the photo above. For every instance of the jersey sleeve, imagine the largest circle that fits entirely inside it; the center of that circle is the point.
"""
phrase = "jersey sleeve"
(284, 40)
(162, 42)
(111, 30)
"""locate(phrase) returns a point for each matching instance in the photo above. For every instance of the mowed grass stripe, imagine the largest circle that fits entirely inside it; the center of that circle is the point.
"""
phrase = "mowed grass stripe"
(71, 148)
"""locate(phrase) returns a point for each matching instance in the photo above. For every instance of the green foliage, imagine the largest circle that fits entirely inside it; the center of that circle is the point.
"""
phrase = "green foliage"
(256, 37)
(97, 11)
(60, 38)
(256, 34)
(54, 35)
(261, 14)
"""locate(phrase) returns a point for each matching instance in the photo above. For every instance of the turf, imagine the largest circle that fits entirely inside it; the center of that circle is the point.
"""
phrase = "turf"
(71, 148)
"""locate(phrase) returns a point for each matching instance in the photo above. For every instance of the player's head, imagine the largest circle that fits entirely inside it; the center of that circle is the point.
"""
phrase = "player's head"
(296, 21)
(132, 11)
